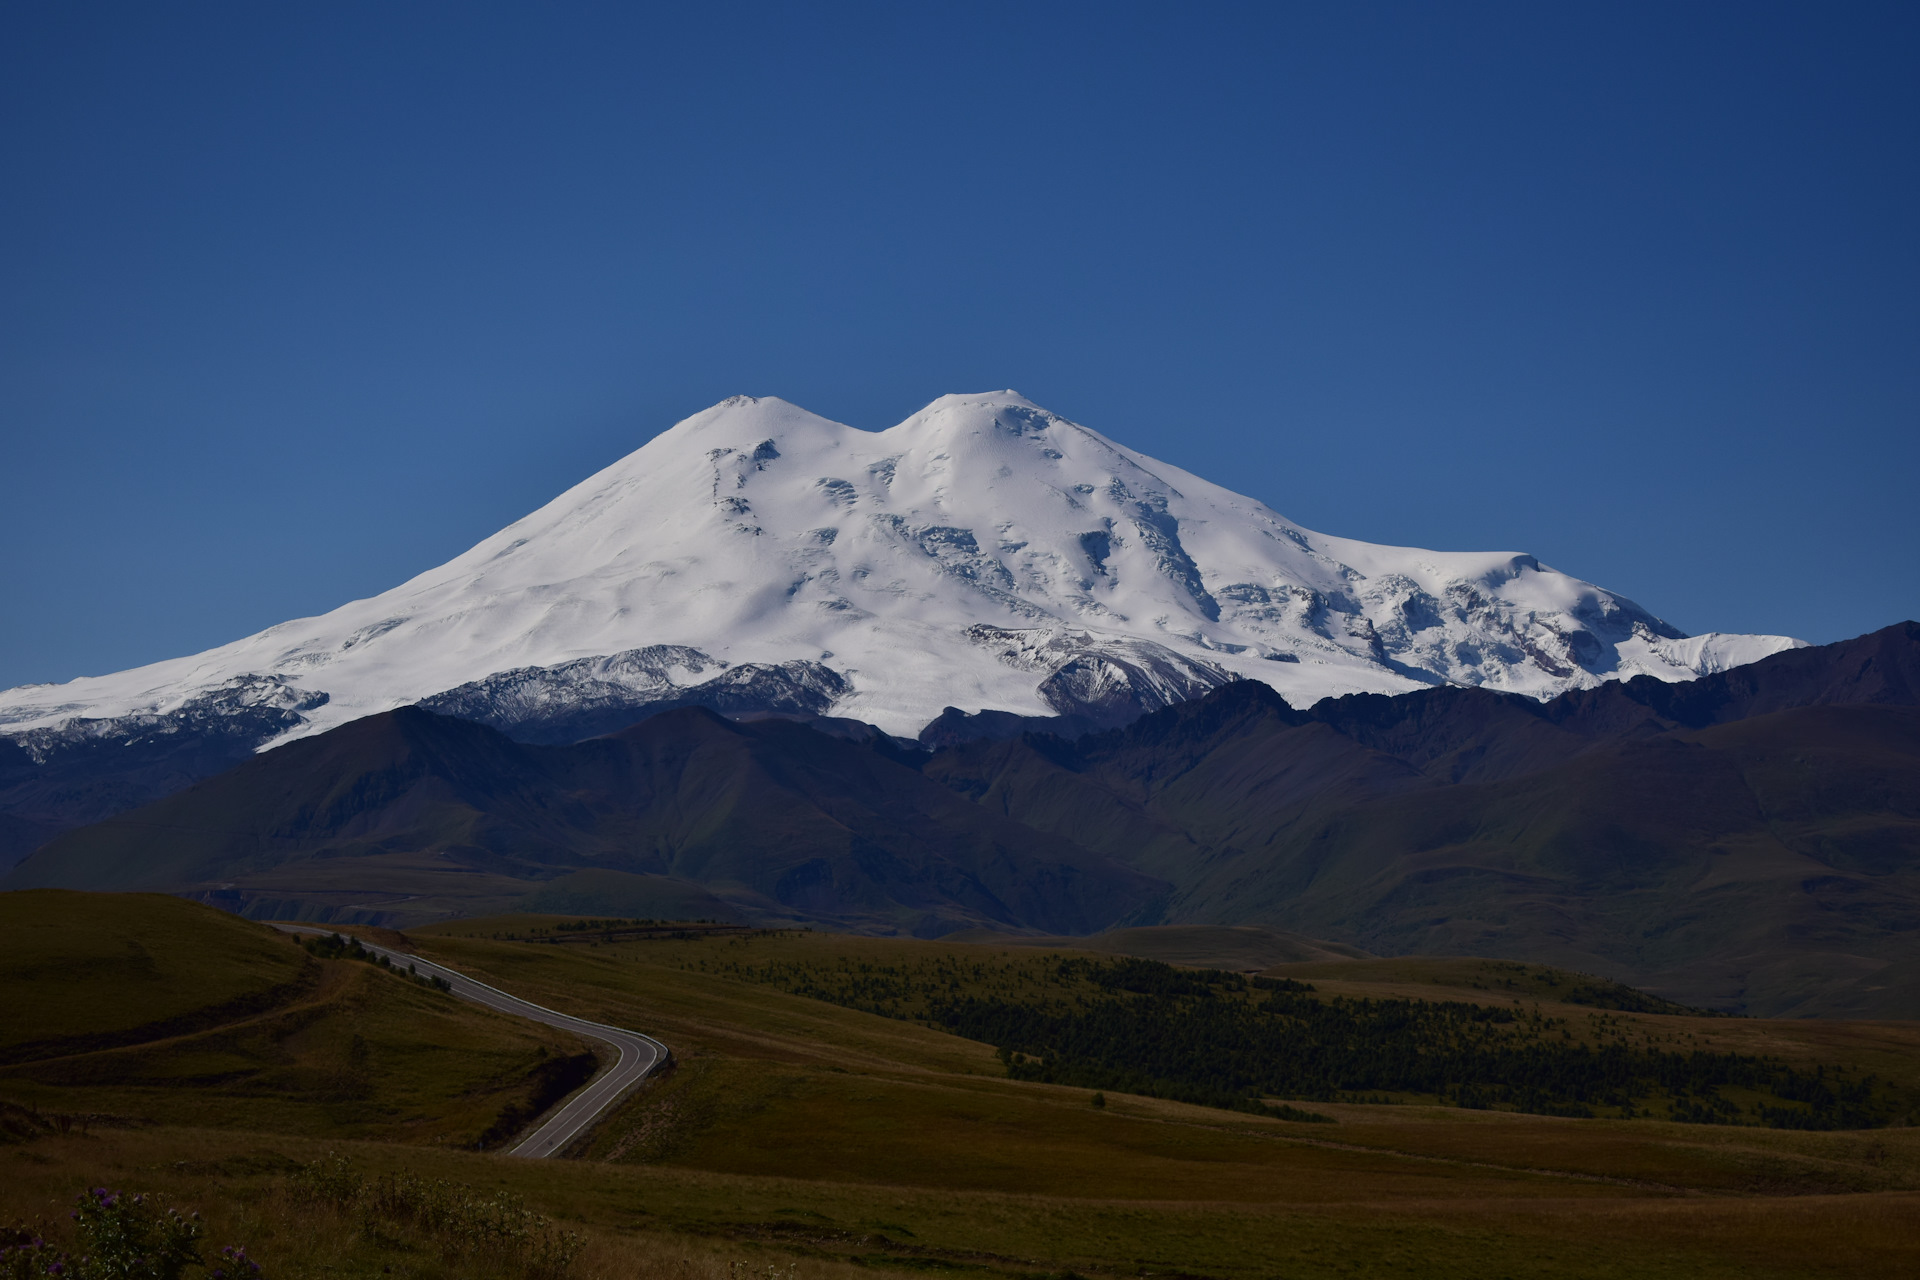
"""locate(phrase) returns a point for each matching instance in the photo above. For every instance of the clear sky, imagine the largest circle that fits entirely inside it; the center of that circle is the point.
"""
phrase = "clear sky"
(299, 300)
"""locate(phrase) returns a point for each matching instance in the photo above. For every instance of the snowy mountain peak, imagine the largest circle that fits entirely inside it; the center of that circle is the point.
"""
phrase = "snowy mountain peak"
(985, 553)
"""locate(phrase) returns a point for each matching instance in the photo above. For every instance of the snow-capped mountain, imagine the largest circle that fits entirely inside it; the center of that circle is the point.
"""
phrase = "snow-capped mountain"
(984, 554)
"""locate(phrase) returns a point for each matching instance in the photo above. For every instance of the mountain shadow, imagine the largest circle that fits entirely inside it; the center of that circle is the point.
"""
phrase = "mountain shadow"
(409, 813)
(1750, 839)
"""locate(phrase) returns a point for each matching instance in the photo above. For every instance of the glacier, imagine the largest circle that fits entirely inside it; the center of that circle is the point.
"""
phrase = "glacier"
(984, 554)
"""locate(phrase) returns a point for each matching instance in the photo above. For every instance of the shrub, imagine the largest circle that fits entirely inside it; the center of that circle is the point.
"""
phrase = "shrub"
(26, 1255)
(234, 1265)
(125, 1236)
(480, 1228)
(121, 1237)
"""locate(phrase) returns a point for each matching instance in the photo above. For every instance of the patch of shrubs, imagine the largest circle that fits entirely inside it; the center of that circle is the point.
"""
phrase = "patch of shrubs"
(120, 1237)
(475, 1231)
(1223, 1039)
(335, 947)
(1193, 1041)
(1615, 995)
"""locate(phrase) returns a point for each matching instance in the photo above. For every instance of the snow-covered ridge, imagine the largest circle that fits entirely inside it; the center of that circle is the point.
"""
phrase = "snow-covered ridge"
(985, 554)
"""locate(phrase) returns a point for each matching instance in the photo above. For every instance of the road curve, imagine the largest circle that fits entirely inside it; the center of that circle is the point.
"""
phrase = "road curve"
(639, 1055)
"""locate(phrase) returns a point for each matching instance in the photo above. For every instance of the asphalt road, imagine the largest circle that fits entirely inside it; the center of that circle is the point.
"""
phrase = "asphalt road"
(639, 1054)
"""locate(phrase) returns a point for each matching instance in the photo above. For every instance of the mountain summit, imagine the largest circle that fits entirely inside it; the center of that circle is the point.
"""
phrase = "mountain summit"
(985, 554)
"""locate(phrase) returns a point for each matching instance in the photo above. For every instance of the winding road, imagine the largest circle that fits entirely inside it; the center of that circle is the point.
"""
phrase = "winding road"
(639, 1054)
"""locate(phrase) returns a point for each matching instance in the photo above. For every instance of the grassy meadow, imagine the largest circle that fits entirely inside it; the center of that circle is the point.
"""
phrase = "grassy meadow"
(141, 1008)
(805, 1136)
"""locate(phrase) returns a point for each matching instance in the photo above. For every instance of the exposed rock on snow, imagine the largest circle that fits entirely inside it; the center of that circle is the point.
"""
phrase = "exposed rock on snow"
(592, 696)
(1101, 681)
(246, 708)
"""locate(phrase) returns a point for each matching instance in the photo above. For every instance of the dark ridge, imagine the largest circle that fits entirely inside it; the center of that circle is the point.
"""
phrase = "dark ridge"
(1748, 841)
(784, 823)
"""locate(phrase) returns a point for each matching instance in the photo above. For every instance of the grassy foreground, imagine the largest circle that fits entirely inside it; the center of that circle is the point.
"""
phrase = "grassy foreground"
(801, 1133)
(140, 1008)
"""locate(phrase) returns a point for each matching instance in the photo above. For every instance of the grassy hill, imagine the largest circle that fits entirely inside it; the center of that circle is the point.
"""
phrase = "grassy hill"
(81, 972)
(141, 1009)
(857, 1118)
(809, 1131)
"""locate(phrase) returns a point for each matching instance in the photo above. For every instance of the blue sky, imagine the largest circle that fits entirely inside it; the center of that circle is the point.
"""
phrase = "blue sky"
(297, 301)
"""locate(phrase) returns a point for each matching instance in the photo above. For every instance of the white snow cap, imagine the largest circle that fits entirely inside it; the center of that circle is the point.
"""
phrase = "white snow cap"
(931, 564)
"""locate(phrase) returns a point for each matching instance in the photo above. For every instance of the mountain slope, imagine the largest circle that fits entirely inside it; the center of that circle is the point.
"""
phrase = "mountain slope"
(985, 553)
(1752, 838)
(776, 821)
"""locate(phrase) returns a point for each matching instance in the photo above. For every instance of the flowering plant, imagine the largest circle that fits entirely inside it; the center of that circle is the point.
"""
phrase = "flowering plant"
(122, 1237)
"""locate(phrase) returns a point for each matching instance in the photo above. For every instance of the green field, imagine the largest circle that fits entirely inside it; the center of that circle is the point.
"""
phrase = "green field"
(93, 970)
(801, 1132)
(141, 1008)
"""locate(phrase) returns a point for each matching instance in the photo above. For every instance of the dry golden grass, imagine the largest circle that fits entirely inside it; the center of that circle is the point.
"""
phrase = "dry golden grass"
(823, 1143)
(660, 1222)
(347, 1050)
